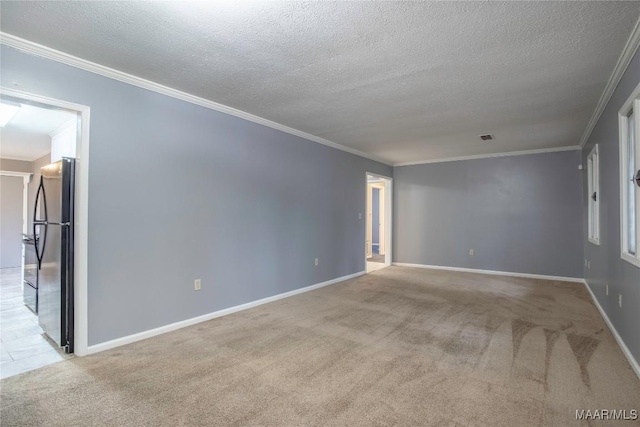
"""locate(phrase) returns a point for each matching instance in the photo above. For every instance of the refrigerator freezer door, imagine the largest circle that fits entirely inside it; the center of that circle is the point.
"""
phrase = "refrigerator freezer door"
(52, 183)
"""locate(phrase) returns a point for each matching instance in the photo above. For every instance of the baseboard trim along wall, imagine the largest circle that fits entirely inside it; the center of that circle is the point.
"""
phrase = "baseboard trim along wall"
(96, 348)
(492, 272)
(625, 350)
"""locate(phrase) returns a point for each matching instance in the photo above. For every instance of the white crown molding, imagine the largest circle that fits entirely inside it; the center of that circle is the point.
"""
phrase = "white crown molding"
(19, 159)
(618, 71)
(64, 58)
(488, 156)
(71, 122)
(96, 348)
(26, 159)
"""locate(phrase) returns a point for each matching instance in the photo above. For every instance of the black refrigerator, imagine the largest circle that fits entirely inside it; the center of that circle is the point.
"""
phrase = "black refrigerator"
(53, 223)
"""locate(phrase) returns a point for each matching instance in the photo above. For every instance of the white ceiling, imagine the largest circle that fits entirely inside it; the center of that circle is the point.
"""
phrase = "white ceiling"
(404, 81)
(27, 136)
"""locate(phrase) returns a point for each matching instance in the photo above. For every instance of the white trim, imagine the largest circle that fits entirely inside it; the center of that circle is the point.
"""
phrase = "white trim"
(24, 175)
(388, 216)
(625, 350)
(224, 312)
(492, 272)
(25, 159)
(625, 58)
(623, 347)
(593, 186)
(44, 153)
(630, 259)
(64, 58)
(63, 127)
(20, 159)
(81, 229)
(632, 103)
(491, 155)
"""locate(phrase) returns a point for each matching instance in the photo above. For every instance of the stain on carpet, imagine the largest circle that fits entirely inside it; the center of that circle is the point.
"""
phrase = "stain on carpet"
(583, 348)
(519, 328)
(551, 337)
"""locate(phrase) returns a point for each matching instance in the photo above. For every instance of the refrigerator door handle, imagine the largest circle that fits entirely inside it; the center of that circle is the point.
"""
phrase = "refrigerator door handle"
(44, 201)
(36, 243)
(40, 222)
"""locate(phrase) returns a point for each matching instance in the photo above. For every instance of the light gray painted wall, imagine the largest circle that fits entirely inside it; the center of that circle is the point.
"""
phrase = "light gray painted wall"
(179, 192)
(606, 265)
(15, 165)
(519, 213)
(11, 221)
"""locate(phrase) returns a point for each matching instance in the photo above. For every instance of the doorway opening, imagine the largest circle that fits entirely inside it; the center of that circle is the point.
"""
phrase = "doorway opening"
(41, 139)
(378, 222)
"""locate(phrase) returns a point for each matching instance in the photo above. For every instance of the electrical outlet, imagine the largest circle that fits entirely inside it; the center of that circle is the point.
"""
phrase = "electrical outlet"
(589, 265)
(197, 284)
(606, 289)
(359, 215)
(316, 262)
(620, 300)
(471, 252)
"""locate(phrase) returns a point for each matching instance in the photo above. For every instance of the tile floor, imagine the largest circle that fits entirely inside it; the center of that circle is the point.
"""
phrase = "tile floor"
(23, 346)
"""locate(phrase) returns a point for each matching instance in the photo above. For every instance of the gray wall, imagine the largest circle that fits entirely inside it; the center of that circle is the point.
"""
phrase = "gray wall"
(606, 265)
(519, 214)
(15, 165)
(179, 192)
(11, 188)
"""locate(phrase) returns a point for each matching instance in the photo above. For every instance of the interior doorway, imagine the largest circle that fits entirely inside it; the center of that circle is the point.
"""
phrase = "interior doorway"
(42, 138)
(378, 222)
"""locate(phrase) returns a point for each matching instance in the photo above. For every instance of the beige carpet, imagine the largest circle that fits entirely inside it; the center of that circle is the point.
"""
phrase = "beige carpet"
(400, 346)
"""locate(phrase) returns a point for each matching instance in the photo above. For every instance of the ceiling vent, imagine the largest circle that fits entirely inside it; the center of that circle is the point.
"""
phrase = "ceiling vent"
(486, 137)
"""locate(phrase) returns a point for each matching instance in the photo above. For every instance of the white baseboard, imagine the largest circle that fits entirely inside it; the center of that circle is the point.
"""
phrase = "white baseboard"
(632, 361)
(492, 272)
(625, 350)
(96, 348)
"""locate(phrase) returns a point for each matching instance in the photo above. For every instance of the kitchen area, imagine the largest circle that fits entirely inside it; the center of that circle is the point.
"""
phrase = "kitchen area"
(37, 179)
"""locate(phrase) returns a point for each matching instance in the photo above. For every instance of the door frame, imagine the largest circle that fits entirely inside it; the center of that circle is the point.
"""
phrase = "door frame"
(387, 216)
(380, 186)
(81, 210)
(26, 179)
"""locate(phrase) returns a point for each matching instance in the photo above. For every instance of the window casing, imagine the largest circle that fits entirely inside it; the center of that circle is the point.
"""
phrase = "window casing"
(593, 185)
(629, 130)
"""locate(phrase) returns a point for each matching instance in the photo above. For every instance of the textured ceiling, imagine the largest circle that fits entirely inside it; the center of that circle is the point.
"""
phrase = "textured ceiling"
(401, 81)
(27, 135)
